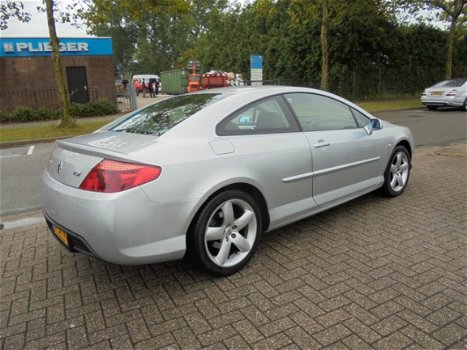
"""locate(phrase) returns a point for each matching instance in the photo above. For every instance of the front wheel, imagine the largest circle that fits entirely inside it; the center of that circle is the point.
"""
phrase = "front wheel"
(432, 108)
(227, 232)
(397, 172)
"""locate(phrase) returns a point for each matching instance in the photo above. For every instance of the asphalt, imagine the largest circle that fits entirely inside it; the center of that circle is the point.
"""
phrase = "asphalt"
(374, 273)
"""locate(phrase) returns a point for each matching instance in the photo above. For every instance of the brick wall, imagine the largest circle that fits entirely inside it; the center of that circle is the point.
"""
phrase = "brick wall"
(30, 81)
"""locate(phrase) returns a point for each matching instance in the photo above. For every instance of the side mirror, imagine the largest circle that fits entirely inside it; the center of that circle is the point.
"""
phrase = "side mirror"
(374, 124)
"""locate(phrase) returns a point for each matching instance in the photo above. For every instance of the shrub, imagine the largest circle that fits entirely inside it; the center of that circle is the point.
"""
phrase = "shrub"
(27, 114)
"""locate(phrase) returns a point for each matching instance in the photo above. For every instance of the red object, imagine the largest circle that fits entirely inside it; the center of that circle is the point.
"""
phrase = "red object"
(138, 86)
(452, 92)
(210, 81)
(112, 176)
(194, 83)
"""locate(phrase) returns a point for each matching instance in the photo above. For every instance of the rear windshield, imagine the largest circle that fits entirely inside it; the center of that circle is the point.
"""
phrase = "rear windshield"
(451, 83)
(161, 117)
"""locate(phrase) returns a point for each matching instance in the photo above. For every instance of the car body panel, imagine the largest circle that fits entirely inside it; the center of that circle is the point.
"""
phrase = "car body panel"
(125, 227)
(149, 223)
(348, 157)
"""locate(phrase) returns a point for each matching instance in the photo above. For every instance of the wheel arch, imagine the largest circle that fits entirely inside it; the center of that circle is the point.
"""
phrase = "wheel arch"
(406, 144)
(242, 186)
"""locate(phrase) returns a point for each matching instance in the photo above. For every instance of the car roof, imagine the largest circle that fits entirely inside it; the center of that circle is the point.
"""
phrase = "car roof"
(266, 89)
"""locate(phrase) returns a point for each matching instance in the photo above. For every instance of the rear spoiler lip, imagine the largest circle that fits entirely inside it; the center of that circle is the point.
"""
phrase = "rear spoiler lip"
(93, 151)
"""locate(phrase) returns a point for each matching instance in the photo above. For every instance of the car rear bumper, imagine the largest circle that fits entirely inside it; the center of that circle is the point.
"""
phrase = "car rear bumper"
(445, 102)
(123, 228)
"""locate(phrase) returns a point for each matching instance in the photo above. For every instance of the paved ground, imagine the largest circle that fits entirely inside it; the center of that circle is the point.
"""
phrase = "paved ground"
(373, 273)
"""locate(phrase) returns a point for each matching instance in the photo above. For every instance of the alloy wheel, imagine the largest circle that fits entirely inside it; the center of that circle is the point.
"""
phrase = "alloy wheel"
(399, 171)
(230, 233)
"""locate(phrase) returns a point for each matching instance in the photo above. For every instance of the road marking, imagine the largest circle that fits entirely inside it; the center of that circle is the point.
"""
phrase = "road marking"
(30, 150)
(10, 155)
(22, 222)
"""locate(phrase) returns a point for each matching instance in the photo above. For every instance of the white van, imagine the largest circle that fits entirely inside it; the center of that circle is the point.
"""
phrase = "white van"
(146, 78)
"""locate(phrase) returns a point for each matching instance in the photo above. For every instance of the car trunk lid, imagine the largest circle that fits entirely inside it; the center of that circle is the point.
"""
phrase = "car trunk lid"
(74, 158)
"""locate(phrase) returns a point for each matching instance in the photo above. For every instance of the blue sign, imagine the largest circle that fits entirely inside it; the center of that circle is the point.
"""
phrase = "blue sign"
(256, 62)
(32, 47)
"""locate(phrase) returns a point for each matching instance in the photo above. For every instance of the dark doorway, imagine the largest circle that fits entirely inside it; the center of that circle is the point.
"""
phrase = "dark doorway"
(77, 84)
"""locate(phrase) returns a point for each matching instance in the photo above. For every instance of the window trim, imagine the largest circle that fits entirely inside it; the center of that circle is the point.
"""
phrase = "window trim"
(293, 124)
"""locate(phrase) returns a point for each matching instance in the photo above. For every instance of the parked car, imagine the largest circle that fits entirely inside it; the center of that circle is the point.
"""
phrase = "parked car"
(209, 172)
(446, 93)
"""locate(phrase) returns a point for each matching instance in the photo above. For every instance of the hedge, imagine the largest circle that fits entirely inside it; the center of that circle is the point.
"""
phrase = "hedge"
(77, 110)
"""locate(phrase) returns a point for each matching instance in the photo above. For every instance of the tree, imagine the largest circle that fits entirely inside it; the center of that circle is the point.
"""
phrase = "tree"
(67, 120)
(13, 9)
(324, 47)
(311, 8)
(16, 10)
(452, 11)
(148, 36)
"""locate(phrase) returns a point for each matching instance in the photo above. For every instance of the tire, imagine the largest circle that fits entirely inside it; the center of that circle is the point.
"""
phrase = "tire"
(227, 232)
(397, 173)
(432, 108)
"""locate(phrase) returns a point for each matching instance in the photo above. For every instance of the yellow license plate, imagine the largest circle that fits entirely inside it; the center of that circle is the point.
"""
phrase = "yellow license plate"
(61, 235)
(436, 93)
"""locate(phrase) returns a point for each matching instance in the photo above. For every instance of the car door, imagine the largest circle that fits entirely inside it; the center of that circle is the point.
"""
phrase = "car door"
(271, 149)
(347, 161)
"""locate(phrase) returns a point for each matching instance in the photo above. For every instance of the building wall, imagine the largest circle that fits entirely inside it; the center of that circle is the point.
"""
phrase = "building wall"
(30, 81)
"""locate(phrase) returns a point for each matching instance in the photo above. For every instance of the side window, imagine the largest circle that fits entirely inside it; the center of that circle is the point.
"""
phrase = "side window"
(264, 117)
(316, 112)
(362, 120)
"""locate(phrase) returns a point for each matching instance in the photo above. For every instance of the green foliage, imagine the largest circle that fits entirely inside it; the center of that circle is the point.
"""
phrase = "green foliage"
(370, 52)
(12, 9)
(26, 114)
(93, 109)
(150, 36)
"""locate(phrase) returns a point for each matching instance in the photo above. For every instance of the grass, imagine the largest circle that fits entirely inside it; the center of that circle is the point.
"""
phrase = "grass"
(33, 132)
(390, 104)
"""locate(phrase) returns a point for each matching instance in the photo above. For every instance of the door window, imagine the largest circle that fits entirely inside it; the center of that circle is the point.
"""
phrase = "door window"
(316, 112)
(268, 116)
(362, 120)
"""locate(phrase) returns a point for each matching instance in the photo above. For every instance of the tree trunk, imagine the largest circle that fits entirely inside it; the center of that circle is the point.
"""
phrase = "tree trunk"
(452, 30)
(324, 48)
(67, 119)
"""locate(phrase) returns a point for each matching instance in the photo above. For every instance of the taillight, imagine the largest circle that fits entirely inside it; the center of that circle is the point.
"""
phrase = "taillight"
(424, 93)
(113, 176)
(452, 92)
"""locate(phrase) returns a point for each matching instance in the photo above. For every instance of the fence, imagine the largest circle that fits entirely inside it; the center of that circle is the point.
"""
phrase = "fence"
(374, 82)
(49, 98)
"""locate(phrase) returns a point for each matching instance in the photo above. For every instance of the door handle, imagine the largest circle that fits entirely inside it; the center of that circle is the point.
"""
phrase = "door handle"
(321, 143)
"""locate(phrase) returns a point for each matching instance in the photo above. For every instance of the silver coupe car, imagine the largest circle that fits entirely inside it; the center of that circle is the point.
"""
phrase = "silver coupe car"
(209, 172)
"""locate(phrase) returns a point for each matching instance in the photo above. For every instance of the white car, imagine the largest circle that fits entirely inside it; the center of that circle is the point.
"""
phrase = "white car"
(447, 93)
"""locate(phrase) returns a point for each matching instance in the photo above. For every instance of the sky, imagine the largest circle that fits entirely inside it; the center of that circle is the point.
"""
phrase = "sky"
(37, 26)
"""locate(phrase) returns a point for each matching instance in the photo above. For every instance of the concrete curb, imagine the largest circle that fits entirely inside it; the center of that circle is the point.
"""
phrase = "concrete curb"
(11, 144)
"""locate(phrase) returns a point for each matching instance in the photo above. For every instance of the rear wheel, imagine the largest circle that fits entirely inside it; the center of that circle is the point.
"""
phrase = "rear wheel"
(397, 172)
(432, 108)
(227, 232)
